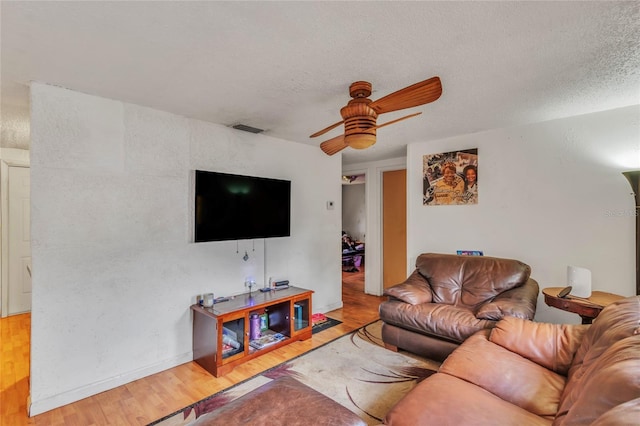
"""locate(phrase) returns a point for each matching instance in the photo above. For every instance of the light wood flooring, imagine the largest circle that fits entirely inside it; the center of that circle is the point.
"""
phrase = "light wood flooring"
(153, 397)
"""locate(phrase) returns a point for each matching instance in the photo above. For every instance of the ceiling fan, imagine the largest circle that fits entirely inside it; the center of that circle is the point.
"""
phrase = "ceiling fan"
(360, 114)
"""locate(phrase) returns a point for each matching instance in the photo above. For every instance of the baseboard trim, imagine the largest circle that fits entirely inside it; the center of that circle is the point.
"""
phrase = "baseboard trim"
(46, 404)
(328, 308)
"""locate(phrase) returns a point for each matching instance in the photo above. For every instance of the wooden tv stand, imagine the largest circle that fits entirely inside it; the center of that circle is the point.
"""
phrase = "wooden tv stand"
(288, 313)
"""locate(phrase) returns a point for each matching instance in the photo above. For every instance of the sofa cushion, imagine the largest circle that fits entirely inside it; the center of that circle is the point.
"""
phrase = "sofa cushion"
(623, 414)
(446, 400)
(507, 375)
(611, 380)
(550, 345)
(617, 321)
(433, 319)
(470, 280)
(518, 302)
(413, 290)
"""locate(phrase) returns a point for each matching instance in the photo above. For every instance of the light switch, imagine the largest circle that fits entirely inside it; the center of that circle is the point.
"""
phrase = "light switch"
(329, 205)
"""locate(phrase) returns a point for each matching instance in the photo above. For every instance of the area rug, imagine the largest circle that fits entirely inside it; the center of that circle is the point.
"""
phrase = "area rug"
(354, 370)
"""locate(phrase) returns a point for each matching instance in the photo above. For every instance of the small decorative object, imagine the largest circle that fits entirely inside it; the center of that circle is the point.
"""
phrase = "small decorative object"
(579, 279)
(297, 315)
(250, 283)
(254, 327)
(318, 318)
(470, 253)
(230, 338)
(264, 322)
(207, 300)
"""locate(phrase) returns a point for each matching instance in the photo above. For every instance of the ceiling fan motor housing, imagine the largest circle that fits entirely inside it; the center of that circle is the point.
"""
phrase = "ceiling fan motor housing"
(359, 123)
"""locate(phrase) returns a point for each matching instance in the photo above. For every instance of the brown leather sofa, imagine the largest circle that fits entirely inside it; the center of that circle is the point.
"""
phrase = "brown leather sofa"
(448, 298)
(527, 373)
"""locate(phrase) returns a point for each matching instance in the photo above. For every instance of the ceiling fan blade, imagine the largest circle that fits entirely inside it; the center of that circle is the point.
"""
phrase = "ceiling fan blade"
(414, 95)
(334, 145)
(323, 131)
(397, 119)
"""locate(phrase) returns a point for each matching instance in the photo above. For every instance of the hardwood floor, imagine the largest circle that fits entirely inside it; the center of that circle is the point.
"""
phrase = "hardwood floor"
(153, 397)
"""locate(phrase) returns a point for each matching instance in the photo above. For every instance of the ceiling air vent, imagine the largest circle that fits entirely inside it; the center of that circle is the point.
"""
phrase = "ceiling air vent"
(246, 128)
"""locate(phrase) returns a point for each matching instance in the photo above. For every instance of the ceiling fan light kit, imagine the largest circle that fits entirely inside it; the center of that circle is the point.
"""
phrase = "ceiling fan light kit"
(361, 113)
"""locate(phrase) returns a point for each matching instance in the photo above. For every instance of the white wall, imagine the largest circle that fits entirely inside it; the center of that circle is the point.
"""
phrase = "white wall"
(550, 194)
(354, 215)
(114, 266)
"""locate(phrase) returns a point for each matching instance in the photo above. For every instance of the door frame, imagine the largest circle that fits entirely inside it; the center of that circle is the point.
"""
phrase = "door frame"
(373, 199)
(9, 157)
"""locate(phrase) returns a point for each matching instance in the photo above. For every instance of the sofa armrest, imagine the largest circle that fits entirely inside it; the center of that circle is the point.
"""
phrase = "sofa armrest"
(552, 346)
(518, 302)
(415, 290)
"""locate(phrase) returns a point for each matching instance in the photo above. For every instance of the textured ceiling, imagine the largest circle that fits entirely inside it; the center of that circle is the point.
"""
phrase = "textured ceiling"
(286, 66)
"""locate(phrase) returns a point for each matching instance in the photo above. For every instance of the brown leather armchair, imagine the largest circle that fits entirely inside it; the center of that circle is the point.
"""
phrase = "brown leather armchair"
(448, 298)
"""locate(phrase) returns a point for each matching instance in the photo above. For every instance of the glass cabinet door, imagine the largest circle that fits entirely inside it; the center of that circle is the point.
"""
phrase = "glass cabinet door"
(233, 332)
(301, 314)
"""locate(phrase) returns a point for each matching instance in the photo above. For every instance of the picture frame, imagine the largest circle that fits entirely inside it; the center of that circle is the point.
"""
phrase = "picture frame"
(450, 178)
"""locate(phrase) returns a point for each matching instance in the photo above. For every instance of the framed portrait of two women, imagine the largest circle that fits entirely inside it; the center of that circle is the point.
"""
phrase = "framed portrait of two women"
(450, 178)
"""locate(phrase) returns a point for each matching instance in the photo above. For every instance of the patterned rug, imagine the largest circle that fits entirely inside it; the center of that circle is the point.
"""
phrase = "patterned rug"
(354, 370)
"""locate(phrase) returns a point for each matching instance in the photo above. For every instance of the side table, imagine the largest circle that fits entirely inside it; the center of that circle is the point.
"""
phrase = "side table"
(587, 308)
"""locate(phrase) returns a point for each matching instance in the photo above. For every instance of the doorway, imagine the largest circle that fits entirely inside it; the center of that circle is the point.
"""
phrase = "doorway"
(354, 227)
(374, 174)
(15, 209)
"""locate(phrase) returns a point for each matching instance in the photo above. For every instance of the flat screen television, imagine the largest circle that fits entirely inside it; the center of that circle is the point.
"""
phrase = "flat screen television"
(236, 207)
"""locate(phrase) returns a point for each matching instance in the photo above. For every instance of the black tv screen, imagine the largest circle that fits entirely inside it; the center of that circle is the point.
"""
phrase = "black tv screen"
(235, 207)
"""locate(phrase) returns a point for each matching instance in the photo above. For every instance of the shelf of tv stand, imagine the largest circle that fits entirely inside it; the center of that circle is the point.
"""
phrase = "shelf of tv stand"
(232, 316)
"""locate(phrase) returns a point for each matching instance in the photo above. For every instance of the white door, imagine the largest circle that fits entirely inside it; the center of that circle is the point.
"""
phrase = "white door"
(19, 297)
